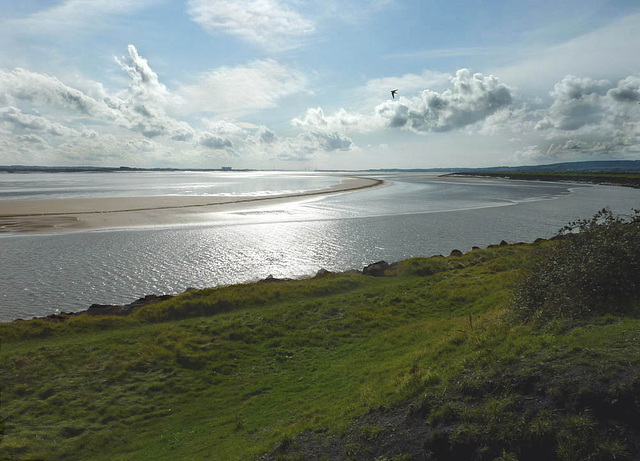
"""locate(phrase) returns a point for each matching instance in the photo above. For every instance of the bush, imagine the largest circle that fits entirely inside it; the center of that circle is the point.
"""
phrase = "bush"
(593, 269)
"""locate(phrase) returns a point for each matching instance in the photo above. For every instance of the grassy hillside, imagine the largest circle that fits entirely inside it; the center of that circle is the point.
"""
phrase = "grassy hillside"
(614, 178)
(427, 362)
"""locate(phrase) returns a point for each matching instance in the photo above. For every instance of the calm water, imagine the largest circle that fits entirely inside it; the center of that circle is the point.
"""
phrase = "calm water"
(136, 184)
(415, 215)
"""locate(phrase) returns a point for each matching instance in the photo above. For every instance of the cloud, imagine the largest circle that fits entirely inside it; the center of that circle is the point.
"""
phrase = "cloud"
(238, 90)
(86, 15)
(144, 104)
(327, 142)
(577, 103)
(23, 85)
(341, 121)
(588, 119)
(267, 23)
(212, 141)
(472, 98)
(140, 108)
(266, 136)
(628, 90)
(144, 86)
(606, 52)
(407, 83)
(21, 121)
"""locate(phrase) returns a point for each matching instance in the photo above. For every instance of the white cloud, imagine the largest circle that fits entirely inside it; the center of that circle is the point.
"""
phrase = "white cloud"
(239, 90)
(74, 14)
(588, 119)
(270, 24)
(23, 85)
(577, 102)
(140, 108)
(144, 86)
(341, 121)
(144, 104)
(213, 141)
(407, 85)
(607, 52)
(627, 90)
(21, 121)
(472, 98)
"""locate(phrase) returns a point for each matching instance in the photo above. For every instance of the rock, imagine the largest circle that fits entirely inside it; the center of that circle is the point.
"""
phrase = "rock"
(322, 272)
(538, 240)
(107, 309)
(271, 279)
(455, 253)
(376, 269)
(474, 248)
(503, 243)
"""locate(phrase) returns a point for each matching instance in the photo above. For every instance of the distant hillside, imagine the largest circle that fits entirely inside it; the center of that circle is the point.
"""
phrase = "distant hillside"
(96, 169)
(604, 166)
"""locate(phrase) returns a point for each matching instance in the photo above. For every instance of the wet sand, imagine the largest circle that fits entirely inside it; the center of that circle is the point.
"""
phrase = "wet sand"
(75, 214)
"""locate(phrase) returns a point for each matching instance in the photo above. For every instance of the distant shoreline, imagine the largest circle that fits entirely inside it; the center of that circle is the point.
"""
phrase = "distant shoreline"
(74, 214)
(606, 179)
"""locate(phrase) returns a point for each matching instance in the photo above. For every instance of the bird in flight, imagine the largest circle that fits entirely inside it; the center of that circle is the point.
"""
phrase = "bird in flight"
(393, 94)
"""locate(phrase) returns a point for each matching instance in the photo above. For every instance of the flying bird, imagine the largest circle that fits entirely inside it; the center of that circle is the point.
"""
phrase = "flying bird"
(393, 94)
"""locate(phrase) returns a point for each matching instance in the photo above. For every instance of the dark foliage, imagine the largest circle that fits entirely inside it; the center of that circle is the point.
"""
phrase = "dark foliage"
(593, 270)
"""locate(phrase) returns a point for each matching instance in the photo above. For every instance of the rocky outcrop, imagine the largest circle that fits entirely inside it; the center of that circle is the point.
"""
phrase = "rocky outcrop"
(271, 279)
(322, 272)
(126, 309)
(376, 269)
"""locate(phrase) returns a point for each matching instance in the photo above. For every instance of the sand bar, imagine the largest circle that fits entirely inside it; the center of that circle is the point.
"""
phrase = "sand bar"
(75, 214)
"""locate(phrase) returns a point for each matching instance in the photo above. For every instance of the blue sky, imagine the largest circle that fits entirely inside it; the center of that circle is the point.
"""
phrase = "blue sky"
(306, 84)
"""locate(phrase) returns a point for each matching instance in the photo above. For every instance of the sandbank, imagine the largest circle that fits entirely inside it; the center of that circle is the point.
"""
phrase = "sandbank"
(76, 214)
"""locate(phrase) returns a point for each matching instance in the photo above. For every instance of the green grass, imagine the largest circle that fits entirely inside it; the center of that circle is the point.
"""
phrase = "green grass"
(236, 372)
(622, 179)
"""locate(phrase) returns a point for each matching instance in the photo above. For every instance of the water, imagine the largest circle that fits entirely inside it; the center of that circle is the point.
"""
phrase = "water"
(414, 215)
(141, 184)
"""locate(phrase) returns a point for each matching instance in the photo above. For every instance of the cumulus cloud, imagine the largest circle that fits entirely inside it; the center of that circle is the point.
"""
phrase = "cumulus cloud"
(270, 24)
(472, 98)
(18, 119)
(213, 141)
(588, 119)
(266, 136)
(242, 89)
(144, 86)
(327, 142)
(144, 105)
(341, 121)
(408, 84)
(23, 85)
(627, 90)
(577, 103)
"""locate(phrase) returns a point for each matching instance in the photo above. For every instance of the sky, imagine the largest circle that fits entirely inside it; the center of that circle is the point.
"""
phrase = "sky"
(303, 85)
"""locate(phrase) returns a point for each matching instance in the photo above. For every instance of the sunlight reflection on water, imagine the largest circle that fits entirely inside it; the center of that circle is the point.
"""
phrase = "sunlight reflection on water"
(42, 274)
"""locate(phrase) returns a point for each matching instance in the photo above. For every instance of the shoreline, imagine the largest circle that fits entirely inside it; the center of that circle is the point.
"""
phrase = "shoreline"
(630, 180)
(374, 269)
(78, 214)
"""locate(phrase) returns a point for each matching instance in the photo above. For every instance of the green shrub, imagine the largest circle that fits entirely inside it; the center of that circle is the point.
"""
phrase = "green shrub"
(593, 269)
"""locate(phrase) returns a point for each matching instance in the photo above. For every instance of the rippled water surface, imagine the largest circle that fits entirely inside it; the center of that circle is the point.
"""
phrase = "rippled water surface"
(413, 215)
(145, 183)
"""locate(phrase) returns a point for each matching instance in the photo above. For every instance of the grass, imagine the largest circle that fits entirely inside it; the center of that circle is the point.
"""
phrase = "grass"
(290, 369)
(621, 179)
